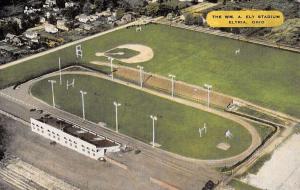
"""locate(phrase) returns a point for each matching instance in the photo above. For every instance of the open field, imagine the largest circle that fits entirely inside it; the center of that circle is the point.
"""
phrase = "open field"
(177, 126)
(259, 74)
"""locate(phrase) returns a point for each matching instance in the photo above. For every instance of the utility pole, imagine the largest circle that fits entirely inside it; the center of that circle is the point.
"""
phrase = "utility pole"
(59, 66)
(111, 67)
(141, 75)
(173, 83)
(52, 84)
(154, 118)
(208, 87)
(82, 101)
(116, 104)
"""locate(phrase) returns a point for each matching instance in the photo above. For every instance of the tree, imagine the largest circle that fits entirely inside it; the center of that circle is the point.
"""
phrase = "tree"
(152, 9)
(60, 3)
(189, 19)
(120, 13)
(71, 12)
(100, 5)
(87, 8)
(52, 19)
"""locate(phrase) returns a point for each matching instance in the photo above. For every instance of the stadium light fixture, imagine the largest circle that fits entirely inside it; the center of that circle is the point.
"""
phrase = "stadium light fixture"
(116, 104)
(154, 118)
(111, 67)
(173, 83)
(141, 75)
(208, 87)
(59, 67)
(82, 101)
(52, 88)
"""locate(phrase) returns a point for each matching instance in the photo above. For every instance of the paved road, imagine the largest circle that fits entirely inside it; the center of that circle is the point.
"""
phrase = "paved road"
(192, 173)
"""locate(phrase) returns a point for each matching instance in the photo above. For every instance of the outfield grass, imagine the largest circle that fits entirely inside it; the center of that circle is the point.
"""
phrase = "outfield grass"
(262, 75)
(36, 67)
(177, 126)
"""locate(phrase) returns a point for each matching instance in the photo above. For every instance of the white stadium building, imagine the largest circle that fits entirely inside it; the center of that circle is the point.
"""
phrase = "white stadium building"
(74, 137)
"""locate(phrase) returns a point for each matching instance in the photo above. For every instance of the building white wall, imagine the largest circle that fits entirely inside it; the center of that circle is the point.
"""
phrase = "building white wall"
(70, 141)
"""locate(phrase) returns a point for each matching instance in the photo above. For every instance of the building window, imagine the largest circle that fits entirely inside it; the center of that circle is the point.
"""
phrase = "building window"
(83, 150)
(42, 131)
(93, 154)
(48, 130)
(88, 152)
(70, 144)
(66, 142)
(75, 146)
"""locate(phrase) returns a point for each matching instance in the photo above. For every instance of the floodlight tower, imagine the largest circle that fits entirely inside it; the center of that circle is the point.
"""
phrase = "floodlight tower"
(116, 104)
(111, 67)
(173, 83)
(59, 67)
(154, 118)
(52, 83)
(82, 101)
(208, 87)
(141, 75)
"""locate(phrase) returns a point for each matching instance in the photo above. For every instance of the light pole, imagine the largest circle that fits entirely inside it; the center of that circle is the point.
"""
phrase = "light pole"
(141, 75)
(59, 66)
(111, 67)
(52, 83)
(154, 118)
(173, 83)
(82, 101)
(116, 104)
(208, 87)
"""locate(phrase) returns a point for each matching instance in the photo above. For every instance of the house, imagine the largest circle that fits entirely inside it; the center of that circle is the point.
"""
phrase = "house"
(127, 18)
(50, 28)
(31, 35)
(42, 19)
(69, 4)
(104, 14)
(93, 18)
(86, 27)
(50, 3)
(61, 24)
(13, 39)
(71, 136)
(82, 18)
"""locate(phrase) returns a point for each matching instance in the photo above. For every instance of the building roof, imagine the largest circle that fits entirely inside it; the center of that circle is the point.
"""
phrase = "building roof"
(76, 131)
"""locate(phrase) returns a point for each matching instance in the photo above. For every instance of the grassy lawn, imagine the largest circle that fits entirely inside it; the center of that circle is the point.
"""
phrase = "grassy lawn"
(263, 75)
(177, 125)
(238, 185)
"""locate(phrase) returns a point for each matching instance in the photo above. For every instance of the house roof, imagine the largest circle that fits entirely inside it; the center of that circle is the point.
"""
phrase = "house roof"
(76, 131)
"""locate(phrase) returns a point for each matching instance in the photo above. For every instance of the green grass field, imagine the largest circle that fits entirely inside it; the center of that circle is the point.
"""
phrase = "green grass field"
(177, 126)
(262, 75)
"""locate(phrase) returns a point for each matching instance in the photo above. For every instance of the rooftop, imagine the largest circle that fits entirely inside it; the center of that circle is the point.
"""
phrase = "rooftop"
(75, 131)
